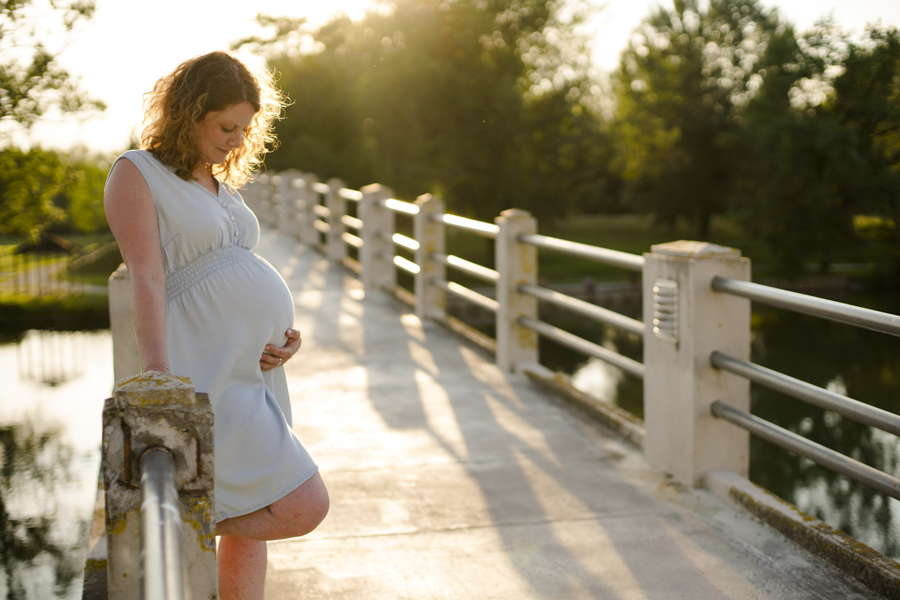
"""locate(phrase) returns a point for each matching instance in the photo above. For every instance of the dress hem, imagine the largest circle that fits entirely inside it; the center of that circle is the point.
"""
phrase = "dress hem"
(221, 516)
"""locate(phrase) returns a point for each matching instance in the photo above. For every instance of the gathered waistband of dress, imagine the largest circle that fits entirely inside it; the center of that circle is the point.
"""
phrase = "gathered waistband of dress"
(190, 274)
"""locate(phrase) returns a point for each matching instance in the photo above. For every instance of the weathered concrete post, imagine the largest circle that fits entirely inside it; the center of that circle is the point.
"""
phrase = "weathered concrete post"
(150, 411)
(687, 321)
(306, 216)
(430, 299)
(377, 253)
(287, 201)
(126, 358)
(276, 203)
(335, 246)
(517, 265)
(263, 188)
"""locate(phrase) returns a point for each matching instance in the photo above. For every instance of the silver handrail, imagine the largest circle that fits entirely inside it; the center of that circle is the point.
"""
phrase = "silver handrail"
(582, 345)
(488, 230)
(349, 194)
(826, 457)
(467, 294)
(467, 267)
(161, 557)
(810, 305)
(807, 392)
(632, 262)
(592, 311)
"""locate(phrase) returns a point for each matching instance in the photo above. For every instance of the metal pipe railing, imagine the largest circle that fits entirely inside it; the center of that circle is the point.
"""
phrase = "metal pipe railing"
(592, 311)
(470, 295)
(810, 305)
(807, 392)
(826, 457)
(467, 267)
(405, 241)
(582, 345)
(349, 194)
(488, 230)
(632, 262)
(405, 264)
(352, 240)
(352, 222)
(161, 557)
(400, 206)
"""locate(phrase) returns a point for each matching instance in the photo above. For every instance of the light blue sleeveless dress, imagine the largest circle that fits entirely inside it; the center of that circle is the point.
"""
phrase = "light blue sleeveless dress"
(223, 305)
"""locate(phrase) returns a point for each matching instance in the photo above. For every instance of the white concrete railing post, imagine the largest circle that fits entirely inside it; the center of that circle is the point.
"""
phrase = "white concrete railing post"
(264, 199)
(126, 357)
(686, 321)
(377, 253)
(431, 300)
(158, 410)
(276, 203)
(517, 265)
(335, 246)
(306, 216)
(288, 195)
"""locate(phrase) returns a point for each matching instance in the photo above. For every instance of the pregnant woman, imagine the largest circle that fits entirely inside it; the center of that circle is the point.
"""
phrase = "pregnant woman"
(205, 306)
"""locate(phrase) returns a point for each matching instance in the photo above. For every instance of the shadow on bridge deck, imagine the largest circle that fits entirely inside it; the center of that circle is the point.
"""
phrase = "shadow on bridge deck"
(450, 479)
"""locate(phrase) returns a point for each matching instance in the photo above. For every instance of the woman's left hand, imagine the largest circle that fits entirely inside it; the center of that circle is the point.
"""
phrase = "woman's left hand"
(275, 356)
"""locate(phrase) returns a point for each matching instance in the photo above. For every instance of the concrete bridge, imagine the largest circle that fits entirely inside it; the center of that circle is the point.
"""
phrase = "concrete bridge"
(453, 479)
(454, 472)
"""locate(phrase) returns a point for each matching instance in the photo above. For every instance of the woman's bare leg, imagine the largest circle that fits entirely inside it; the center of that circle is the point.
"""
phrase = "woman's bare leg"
(242, 568)
(242, 545)
(296, 514)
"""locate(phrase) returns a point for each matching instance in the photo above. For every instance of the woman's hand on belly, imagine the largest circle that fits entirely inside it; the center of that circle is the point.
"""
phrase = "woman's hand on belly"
(275, 356)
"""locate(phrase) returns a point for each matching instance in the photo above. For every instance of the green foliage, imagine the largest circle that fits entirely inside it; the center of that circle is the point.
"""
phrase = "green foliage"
(476, 100)
(680, 88)
(30, 81)
(39, 190)
(29, 181)
(822, 147)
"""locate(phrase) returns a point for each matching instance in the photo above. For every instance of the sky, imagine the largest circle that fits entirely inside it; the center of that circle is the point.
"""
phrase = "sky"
(120, 53)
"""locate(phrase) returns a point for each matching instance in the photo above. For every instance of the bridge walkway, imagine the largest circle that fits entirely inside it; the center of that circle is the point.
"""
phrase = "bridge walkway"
(452, 480)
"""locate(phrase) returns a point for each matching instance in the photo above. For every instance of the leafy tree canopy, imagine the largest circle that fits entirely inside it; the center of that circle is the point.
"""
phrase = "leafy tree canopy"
(30, 80)
(477, 100)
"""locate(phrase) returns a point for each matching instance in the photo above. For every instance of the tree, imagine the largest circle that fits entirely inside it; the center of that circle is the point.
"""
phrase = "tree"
(681, 87)
(30, 80)
(476, 100)
(29, 183)
(822, 142)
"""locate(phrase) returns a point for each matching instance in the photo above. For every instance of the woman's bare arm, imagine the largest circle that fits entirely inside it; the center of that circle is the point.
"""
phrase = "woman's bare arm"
(132, 218)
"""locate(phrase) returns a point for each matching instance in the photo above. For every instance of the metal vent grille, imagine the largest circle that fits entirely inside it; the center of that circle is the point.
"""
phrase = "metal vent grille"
(665, 309)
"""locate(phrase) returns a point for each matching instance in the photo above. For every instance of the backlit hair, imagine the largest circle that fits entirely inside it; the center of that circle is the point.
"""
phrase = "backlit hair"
(181, 100)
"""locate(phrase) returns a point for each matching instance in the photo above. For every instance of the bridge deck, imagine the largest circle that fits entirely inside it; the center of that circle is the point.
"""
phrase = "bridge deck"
(450, 479)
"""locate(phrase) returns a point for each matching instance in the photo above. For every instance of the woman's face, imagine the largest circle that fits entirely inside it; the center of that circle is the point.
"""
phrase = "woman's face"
(222, 131)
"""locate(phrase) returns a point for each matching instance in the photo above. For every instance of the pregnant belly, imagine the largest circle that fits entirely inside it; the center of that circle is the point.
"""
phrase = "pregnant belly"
(266, 300)
(229, 310)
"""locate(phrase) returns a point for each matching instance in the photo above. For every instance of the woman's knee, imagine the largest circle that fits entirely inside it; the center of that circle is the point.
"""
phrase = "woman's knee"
(303, 509)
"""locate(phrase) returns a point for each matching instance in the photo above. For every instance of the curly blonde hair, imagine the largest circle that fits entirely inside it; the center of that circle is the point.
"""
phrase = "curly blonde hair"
(181, 100)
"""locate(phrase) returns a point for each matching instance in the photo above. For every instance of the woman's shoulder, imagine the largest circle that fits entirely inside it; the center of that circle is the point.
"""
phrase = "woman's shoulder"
(148, 165)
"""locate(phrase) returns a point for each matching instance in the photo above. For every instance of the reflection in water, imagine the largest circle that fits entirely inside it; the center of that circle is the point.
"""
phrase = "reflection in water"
(861, 364)
(51, 357)
(51, 399)
(864, 366)
(37, 554)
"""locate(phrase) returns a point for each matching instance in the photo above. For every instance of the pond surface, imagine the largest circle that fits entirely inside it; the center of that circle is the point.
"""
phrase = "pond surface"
(861, 364)
(51, 400)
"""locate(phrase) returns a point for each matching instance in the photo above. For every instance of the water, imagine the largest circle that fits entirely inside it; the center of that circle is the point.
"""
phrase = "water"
(861, 364)
(51, 400)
